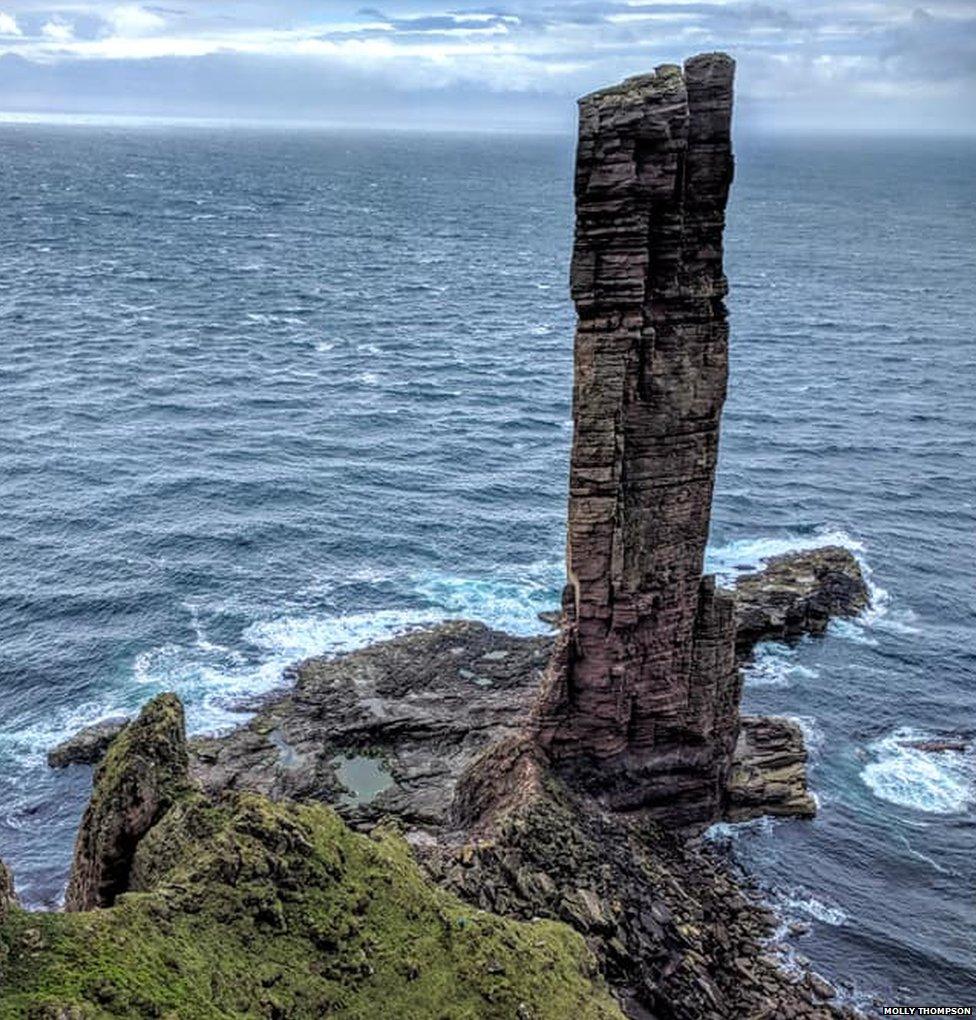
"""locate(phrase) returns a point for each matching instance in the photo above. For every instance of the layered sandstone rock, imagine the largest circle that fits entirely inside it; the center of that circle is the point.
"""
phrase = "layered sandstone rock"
(769, 771)
(798, 593)
(642, 700)
(143, 774)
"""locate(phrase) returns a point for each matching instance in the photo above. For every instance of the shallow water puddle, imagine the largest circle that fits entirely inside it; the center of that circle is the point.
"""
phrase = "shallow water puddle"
(364, 778)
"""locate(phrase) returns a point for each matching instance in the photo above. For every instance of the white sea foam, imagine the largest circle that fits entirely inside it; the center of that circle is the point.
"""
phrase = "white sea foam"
(813, 736)
(745, 555)
(799, 902)
(25, 740)
(510, 603)
(212, 678)
(940, 783)
(851, 630)
(731, 832)
(775, 665)
(289, 639)
(730, 561)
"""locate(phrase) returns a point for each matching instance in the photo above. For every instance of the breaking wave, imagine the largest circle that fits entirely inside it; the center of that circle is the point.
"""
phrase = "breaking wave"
(940, 783)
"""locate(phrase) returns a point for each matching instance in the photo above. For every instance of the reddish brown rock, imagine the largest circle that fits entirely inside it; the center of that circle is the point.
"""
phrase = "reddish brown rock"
(769, 771)
(642, 698)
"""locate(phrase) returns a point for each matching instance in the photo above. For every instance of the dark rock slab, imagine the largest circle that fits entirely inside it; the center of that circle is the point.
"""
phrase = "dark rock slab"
(769, 774)
(425, 705)
(937, 746)
(796, 594)
(88, 746)
(144, 772)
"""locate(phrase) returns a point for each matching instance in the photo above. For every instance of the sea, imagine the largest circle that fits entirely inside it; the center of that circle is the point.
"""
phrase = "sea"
(268, 394)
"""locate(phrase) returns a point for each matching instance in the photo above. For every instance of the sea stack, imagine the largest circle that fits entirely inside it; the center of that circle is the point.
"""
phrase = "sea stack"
(642, 699)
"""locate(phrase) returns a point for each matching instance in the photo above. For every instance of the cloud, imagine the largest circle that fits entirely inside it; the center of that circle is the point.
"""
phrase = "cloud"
(814, 62)
(8, 25)
(132, 20)
(57, 30)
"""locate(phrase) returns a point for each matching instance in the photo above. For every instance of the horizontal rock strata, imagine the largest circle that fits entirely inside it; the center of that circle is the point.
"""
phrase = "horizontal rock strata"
(769, 771)
(642, 700)
(796, 594)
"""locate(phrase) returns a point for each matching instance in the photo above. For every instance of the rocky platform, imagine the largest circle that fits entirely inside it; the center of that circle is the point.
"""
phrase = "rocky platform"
(797, 594)
(390, 734)
(391, 729)
(241, 893)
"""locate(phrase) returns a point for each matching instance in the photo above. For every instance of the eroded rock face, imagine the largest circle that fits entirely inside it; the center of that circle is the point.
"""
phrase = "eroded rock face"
(143, 774)
(797, 594)
(674, 935)
(642, 700)
(769, 771)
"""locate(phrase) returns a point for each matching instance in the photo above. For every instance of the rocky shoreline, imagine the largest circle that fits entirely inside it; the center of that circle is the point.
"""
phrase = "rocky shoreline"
(427, 704)
(672, 932)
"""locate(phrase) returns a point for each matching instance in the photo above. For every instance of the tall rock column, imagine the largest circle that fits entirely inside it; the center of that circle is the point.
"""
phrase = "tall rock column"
(642, 698)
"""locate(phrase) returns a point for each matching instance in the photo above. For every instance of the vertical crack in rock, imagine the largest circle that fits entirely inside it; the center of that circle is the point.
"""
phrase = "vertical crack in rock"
(643, 694)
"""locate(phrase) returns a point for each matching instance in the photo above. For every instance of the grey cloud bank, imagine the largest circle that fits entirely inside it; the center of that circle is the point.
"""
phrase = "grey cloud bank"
(852, 64)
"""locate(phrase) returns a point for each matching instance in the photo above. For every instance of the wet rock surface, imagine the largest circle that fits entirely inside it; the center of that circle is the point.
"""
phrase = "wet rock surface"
(88, 746)
(424, 706)
(796, 594)
(937, 746)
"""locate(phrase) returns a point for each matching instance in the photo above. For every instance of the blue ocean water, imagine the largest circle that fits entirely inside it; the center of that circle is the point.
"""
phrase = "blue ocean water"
(267, 395)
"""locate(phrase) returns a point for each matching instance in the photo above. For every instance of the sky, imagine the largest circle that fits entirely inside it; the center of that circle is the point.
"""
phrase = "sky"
(518, 65)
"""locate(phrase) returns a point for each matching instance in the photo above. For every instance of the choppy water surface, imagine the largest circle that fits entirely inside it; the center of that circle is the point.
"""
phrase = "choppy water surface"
(267, 395)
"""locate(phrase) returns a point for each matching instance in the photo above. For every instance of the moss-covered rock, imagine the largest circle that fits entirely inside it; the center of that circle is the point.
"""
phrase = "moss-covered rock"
(255, 909)
(145, 771)
(6, 891)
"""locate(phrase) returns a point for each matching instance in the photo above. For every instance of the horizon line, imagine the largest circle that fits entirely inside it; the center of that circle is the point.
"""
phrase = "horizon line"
(10, 118)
